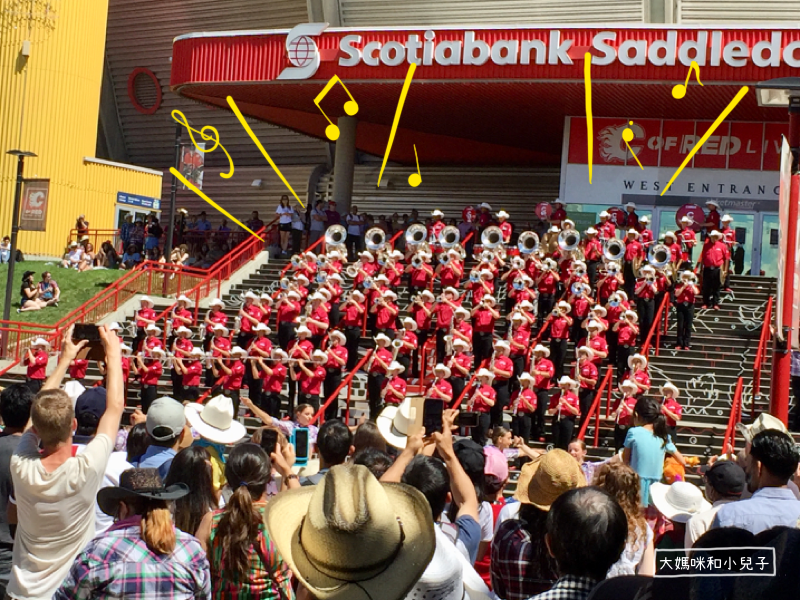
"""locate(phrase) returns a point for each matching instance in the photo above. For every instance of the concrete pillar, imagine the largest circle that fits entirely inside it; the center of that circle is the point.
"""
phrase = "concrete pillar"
(344, 164)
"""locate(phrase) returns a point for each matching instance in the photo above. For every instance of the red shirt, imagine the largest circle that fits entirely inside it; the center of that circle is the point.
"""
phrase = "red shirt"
(524, 401)
(674, 252)
(450, 276)
(411, 338)
(191, 378)
(626, 416)
(321, 315)
(626, 336)
(542, 382)
(422, 319)
(37, 368)
(465, 361)
(589, 370)
(570, 398)
(687, 236)
(685, 294)
(598, 343)
(444, 314)
(126, 368)
(606, 230)
(730, 236)
(523, 338)
(153, 342)
(580, 307)
(77, 370)
(713, 217)
(184, 313)
(393, 274)
(184, 344)
(385, 318)
(647, 236)
(266, 313)
(220, 343)
(632, 221)
(399, 384)
(642, 378)
(558, 215)
(522, 296)
(484, 321)
(339, 351)
(216, 316)
(296, 346)
(593, 250)
(288, 311)
(633, 249)
(547, 284)
(481, 406)
(351, 315)
(421, 277)
(714, 254)
(559, 328)
(383, 354)
(145, 313)
(443, 386)
(263, 344)
(672, 405)
(234, 380)
(152, 372)
(311, 384)
(273, 384)
(479, 290)
(608, 286)
(464, 328)
(255, 312)
(503, 363)
(506, 228)
(644, 290)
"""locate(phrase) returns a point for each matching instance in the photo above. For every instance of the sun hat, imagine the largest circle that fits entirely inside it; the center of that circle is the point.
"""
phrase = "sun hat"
(183, 298)
(165, 419)
(114, 326)
(557, 472)
(215, 421)
(496, 463)
(712, 203)
(502, 215)
(443, 368)
(250, 295)
(541, 349)
(726, 218)
(73, 244)
(437, 213)
(303, 330)
(628, 385)
(138, 483)
(395, 421)
(183, 329)
(678, 501)
(762, 423)
(630, 205)
(239, 350)
(671, 386)
(717, 234)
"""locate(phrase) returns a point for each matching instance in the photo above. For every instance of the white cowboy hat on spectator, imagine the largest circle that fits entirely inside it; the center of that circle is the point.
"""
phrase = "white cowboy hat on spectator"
(485, 205)
(338, 335)
(716, 234)
(713, 203)
(319, 355)
(678, 502)
(293, 294)
(672, 387)
(591, 231)
(40, 341)
(459, 343)
(443, 369)
(670, 234)
(565, 380)
(216, 302)
(125, 348)
(250, 296)
(395, 421)
(352, 537)
(437, 213)
(383, 338)
(153, 327)
(637, 358)
(238, 350)
(215, 420)
(73, 244)
(604, 214)
(74, 389)
(726, 218)
(762, 423)
(539, 349)
(183, 298)
(303, 330)
(262, 327)
(502, 215)
(565, 306)
(220, 327)
(631, 205)
(485, 373)
(146, 300)
(410, 324)
(183, 329)
(628, 385)
(395, 366)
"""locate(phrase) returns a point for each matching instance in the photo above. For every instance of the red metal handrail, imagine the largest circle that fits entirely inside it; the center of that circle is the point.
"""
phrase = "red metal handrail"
(394, 238)
(655, 329)
(734, 418)
(759, 359)
(309, 249)
(95, 235)
(594, 409)
(470, 383)
(347, 381)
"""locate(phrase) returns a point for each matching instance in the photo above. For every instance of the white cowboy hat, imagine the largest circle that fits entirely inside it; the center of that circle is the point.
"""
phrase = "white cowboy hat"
(568, 224)
(146, 300)
(74, 389)
(636, 357)
(451, 290)
(687, 274)
(335, 277)
(591, 231)
(644, 219)
(278, 354)
(630, 205)
(517, 317)
(301, 278)
(183, 298)
(462, 312)
(114, 326)
(648, 269)
(238, 350)
(670, 234)
(40, 341)
(220, 327)
(125, 348)
(490, 299)
(717, 234)
(502, 344)
(397, 254)
(628, 385)
(251, 296)
(586, 350)
(525, 305)
(319, 355)
(763, 422)
(157, 350)
(686, 219)
(293, 294)
(338, 335)
(678, 502)
(303, 330)
(622, 295)
(441, 367)
(460, 343)
(599, 309)
(485, 373)
(215, 421)
(153, 327)
(395, 366)
(410, 324)
(604, 214)
(671, 386)
(317, 296)
(554, 229)
(395, 421)
(486, 273)
(262, 327)
(352, 537)
(437, 213)
(564, 306)
(632, 232)
(195, 351)
(712, 203)
(265, 297)
(216, 302)
(357, 296)
(390, 294)
(427, 294)
(367, 255)
(594, 324)
(558, 201)
(632, 316)
(502, 215)
(567, 381)
(383, 338)
(526, 377)
(381, 277)
(485, 205)
(726, 218)
(183, 329)
(541, 349)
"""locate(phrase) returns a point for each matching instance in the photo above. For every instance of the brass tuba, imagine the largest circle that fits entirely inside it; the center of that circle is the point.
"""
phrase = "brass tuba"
(528, 242)
(449, 237)
(416, 234)
(375, 239)
(492, 237)
(335, 235)
(569, 240)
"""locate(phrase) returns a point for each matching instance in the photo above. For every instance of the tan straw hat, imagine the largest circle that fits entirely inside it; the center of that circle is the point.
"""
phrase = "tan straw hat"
(352, 537)
(557, 473)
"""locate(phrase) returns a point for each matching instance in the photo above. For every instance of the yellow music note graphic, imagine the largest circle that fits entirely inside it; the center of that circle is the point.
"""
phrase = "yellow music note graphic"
(587, 85)
(409, 76)
(627, 137)
(350, 107)
(679, 90)
(179, 117)
(415, 178)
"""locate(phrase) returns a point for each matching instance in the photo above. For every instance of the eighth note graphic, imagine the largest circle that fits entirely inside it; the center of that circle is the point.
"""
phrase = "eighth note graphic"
(679, 90)
(627, 137)
(415, 178)
(350, 107)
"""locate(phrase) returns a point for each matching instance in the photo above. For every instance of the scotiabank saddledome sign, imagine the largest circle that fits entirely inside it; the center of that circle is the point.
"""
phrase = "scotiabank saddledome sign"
(314, 51)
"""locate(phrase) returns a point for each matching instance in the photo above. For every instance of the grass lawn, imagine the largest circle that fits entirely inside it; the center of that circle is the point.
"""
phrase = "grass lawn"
(76, 288)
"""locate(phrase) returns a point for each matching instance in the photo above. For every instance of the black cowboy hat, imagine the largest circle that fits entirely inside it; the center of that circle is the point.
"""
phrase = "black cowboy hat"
(138, 483)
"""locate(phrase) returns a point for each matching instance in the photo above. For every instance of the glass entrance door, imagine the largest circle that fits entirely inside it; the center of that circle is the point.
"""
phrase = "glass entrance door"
(746, 242)
(769, 245)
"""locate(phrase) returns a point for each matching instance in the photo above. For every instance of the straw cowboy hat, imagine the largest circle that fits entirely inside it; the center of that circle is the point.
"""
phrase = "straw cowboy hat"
(678, 502)
(215, 421)
(338, 335)
(565, 306)
(762, 423)
(395, 421)
(352, 537)
(671, 386)
(568, 381)
(410, 324)
(557, 472)
(485, 373)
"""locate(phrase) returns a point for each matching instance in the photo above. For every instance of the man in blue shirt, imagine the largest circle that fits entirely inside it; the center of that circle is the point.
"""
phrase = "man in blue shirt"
(770, 463)
(202, 223)
(166, 425)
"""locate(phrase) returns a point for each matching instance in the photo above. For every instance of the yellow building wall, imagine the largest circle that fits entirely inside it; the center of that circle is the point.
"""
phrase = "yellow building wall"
(54, 114)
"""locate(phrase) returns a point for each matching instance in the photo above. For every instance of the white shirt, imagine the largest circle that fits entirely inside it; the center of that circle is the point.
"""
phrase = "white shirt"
(701, 522)
(117, 463)
(285, 213)
(55, 512)
(74, 256)
(354, 223)
(631, 557)
(509, 511)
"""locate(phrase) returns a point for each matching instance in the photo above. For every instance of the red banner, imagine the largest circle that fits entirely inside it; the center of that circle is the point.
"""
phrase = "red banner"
(33, 216)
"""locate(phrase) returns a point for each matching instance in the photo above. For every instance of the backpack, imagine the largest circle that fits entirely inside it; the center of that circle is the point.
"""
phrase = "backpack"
(19, 256)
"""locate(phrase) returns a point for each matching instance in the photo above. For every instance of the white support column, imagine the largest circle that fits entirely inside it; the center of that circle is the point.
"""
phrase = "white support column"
(344, 164)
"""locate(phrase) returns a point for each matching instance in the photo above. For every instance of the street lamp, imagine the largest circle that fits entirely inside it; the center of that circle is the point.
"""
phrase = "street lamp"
(20, 154)
(784, 92)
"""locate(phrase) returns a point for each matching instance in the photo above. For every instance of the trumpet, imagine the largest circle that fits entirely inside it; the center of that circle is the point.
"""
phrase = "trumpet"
(528, 242)
(568, 240)
(335, 235)
(297, 261)
(517, 263)
(416, 234)
(659, 256)
(449, 237)
(444, 259)
(492, 237)
(322, 261)
(614, 250)
(321, 278)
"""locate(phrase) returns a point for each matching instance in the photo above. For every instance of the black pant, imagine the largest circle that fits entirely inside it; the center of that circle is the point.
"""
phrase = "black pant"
(620, 433)
(440, 345)
(645, 308)
(140, 335)
(334, 315)
(147, 394)
(316, 341)
(558, 354)
(333, 378)
(312, 399)
(297, 240)
(207, 342)
(191, 393)
(244, 339)
(459, 383)
(422, 337)
(562, 431)
(685, 312)
(591, 270)
(210, 380)
(292, 388)
(482, 347)
(354, 244)
(711, 285)
(177, 383)
(255, 386)
(234, 396)
(521, 426)
(611, 339)
(623, 352)
(542, 402)
(352, 336)
(35, 384)
(374, 385)
(481, 432)
(405, 360)
(519, 367)
(585, 397)
(546, 302)
(271, 403)
(502, 398)
(285, 334)
(629, 277)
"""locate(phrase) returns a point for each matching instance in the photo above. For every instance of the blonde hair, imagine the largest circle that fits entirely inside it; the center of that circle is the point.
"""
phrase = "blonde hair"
(52, 415)
(157, 529)
(622, 482)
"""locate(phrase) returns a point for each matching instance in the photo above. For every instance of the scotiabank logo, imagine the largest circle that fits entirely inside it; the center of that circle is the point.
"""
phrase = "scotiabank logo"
(302, 51)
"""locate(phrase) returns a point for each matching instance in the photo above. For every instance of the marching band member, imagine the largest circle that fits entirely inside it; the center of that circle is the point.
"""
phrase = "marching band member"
(436, 226)
(265, 304)
(713, 220)
(335, 262)
(310, 377)
(420, 275)
(645, 234)
(181, 316)
(409, 339)
(149, 370)
(587, 376)
(599, 313)
(558, 214)
(627, 331)
(460, 365)
(367, 268)
(609, 283)
(270, 380)
(182, 348)
(503, 369)
(519, 340)
(449, 275)
(638, 373)
(35, 360)
(483, 287)
(546, 283)
(596, 341)
(232, 375)
(77, 369)
(713, 256)
(334, 286)
(623, 413)
(528, 312)
(289, 308)
(317, 321)
(447, 303)
(505, 226)
(220, 346)
(631, 218)
(580, 300)
(153, 339)
(687, 236)
(261, 344)
(484, 216)
(393, 388)
(633, 257)
(144, 316)
(421, 310)
(385, 311)
(663, 285)
(440, 389)
(376, 372)
(615, 309)
(190, 369)
(645, 293)
(606, 228)
(564, 406)
(671, 242)
(592, 253)
(671, 408)
(520, 292)
(392, 270)
(215, 316)
(302, 286)
(524, 405)
(685, 293)
(543, 372)
(462, 328)
(300, 348)
(250, 315)
(352, 311)
(337, 361)
(484, 316)
(482, 401)
(559, 328)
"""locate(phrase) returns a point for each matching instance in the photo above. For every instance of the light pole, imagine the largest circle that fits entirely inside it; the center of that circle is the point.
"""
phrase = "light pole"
(20, 154)
(784, 92)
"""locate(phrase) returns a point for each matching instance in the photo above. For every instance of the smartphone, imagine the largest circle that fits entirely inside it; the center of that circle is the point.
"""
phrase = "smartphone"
(269, 440)
(432, 412)
(467, 419)
(301, 446)
(86, 331)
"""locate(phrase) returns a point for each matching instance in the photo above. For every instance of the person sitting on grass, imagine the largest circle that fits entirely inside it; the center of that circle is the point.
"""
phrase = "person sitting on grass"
(107, 257)
(49, 291)
(72, 258)
(131, 258)
(30, 296)
(87, 260)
